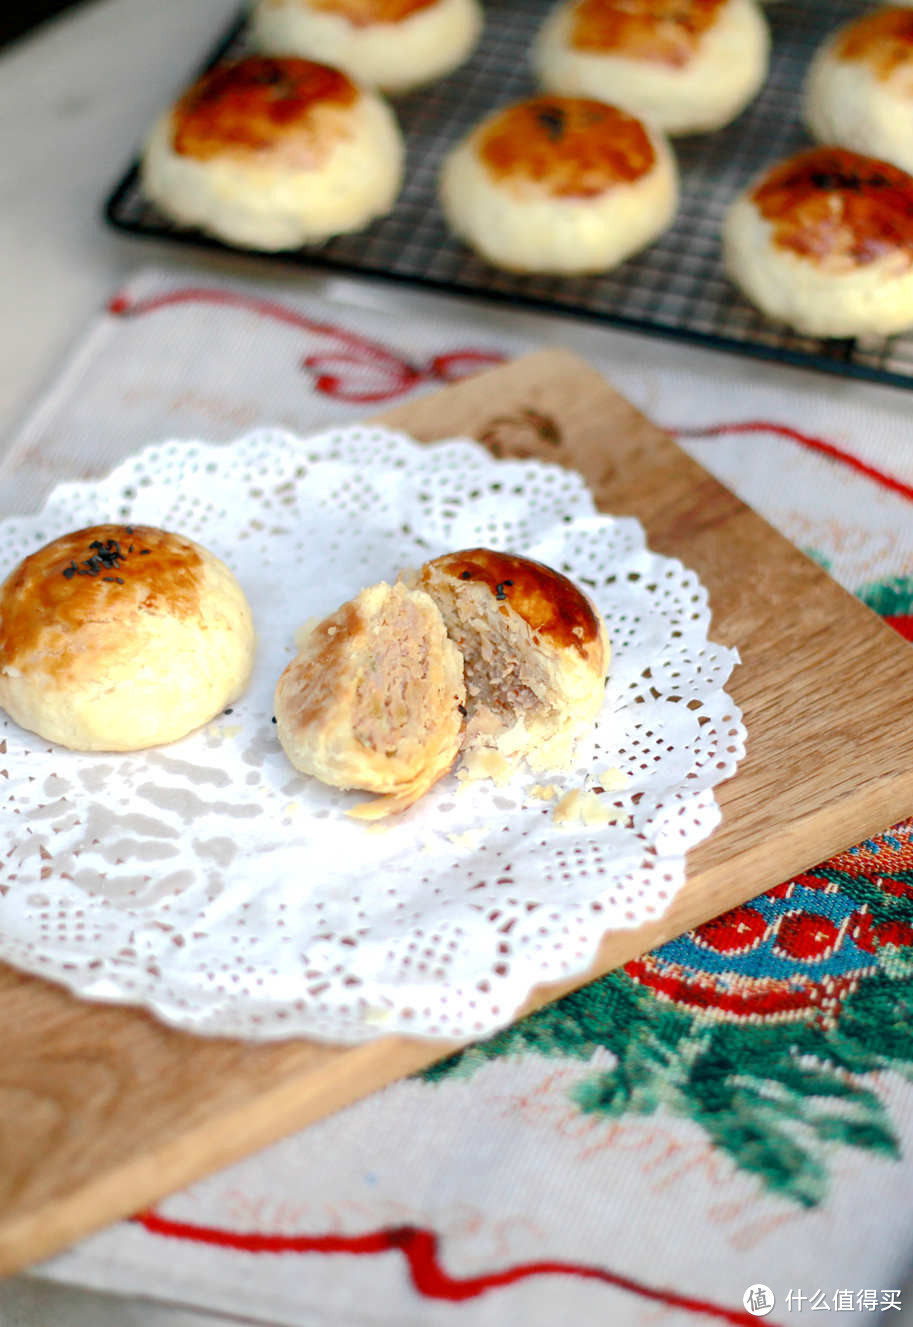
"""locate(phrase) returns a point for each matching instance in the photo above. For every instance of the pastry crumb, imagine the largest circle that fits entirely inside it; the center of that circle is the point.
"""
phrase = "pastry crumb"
(579, 807)
(567, 812)
(543, 792)
(219, 733)
(486, 763)
(377, 1015)
(469, 838)
(302, 633)
(613, 779)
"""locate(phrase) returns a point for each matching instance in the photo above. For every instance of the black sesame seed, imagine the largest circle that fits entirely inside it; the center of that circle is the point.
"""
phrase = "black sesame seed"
(552, 121)
(465, 575)
(144, 551)
(462, 709)
(838, 179)
(273, 720)
(70, 571)
(111, 578)
(228, 711)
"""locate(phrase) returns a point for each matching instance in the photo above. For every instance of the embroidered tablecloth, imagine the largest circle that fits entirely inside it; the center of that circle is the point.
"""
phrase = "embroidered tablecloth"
(717, 1132)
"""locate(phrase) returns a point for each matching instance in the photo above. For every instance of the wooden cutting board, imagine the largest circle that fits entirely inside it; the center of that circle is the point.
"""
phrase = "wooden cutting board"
(103, 1110)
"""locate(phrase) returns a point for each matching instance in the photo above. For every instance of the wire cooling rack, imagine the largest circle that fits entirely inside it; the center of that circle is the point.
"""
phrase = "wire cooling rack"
(676, 287)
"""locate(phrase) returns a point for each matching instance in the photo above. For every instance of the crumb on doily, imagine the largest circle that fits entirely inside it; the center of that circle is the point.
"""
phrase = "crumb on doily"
(580, 807)
(469, 838)
(486, 763)
(217, 733)
(377, 1015)
(300, 634)
(543, 792)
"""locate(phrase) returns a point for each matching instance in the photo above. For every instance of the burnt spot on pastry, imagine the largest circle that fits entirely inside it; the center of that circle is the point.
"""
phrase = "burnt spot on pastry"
(830, 205)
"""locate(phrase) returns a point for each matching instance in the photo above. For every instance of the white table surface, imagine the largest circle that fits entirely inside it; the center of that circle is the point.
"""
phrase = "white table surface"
(75, 99)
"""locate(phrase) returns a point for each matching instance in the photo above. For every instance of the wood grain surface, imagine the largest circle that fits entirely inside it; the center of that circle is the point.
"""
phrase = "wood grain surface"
(103, 1110)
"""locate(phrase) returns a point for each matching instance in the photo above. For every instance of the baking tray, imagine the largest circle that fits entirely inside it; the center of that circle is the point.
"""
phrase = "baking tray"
(676, 287)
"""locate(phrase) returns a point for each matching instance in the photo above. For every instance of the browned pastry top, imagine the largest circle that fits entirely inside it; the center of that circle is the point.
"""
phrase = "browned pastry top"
(550, 603)
(362, 13)
(249, 105)
(830, 204)
(883, 40)
(102, 574)
(573, 146)
(662, 31)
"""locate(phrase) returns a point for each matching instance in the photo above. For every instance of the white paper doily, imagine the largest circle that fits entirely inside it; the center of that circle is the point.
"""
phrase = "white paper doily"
(210, 882)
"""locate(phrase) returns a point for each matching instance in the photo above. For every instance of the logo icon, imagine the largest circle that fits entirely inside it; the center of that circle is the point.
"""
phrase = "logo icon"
(759, 1300)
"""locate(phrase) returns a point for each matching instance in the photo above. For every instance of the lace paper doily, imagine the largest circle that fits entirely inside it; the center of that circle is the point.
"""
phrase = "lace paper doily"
(210, 882)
